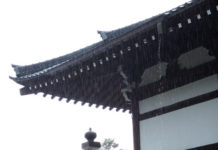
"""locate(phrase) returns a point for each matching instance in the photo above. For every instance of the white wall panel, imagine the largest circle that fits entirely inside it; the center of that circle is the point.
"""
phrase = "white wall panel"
(185, 128)
(176, 95)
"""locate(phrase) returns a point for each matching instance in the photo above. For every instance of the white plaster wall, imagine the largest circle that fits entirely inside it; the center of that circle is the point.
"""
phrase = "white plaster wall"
(187, 91)
(195, 58)
(185, 128)
(153, 73)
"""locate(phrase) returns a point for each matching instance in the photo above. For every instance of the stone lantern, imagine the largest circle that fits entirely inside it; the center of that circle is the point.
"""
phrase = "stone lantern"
(90, 144)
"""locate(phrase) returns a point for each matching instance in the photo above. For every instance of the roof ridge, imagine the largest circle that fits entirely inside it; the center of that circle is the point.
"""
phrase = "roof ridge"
(119, 31)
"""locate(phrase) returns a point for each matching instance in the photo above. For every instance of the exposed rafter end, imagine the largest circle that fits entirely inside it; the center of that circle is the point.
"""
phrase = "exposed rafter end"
(117, 109)
(127, 109)
(111, 108)
(67, 100)
(104, 107)
(76, 101)
(53, 96)
(44, 95)
(124, 110)
(60, 98)
(83, 103)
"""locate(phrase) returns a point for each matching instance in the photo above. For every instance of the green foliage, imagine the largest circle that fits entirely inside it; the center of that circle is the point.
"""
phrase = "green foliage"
(109, 144)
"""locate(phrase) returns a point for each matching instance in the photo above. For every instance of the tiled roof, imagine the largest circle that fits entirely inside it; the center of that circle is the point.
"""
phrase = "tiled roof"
(43, 67)
(33, 70)
(107, 72)
(115, 33)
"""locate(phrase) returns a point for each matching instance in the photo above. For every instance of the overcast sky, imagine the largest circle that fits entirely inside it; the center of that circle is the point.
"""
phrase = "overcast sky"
(36, 30)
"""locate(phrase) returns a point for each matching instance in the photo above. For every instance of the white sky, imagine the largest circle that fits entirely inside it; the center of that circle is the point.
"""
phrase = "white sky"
(37, 30)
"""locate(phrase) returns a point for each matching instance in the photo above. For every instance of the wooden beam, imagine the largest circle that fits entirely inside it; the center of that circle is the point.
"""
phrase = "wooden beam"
(213, 146)
(179, 105)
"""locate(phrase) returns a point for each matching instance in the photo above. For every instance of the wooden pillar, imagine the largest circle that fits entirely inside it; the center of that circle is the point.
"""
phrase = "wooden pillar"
(135, 120)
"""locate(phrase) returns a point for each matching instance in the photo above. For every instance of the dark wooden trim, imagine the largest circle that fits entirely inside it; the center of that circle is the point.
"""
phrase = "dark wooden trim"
(179, 105)
(135, 120)
(206, 147)
(106, 90)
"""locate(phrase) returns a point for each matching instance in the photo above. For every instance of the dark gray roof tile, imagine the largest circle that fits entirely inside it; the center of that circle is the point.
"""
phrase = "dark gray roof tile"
(42, 67)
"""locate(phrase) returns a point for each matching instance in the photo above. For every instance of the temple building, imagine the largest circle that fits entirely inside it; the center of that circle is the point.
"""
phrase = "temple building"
(163, 70)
